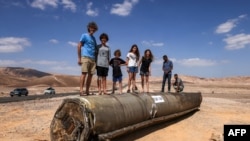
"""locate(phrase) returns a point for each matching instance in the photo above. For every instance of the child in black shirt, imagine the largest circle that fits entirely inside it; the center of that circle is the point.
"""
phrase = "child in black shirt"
(116, 62)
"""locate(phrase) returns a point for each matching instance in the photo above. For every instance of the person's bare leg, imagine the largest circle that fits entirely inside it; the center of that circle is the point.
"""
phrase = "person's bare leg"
(113, 88)
(88, 83)
(133, 81)
(120, 87)
(136, 88)
(99, 84)
(104, 84)
(147, 84)
(82, 82)
(142, 83)
(129, 80)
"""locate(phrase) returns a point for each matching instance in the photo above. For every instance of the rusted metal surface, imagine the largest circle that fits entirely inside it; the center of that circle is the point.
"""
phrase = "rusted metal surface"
(106, 117)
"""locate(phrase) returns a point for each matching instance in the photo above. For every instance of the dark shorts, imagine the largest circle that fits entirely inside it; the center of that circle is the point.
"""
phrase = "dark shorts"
(102, 71)
(132, 69)
(144, 73)
(117, 78)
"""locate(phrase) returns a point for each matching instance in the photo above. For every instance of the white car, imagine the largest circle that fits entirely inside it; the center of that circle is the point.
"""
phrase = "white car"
(49, 90)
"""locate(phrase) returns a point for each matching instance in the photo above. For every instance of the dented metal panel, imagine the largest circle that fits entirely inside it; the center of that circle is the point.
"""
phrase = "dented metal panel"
(109, 116)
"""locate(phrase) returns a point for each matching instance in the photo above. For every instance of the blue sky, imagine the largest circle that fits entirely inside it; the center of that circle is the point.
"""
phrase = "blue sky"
(205, 38)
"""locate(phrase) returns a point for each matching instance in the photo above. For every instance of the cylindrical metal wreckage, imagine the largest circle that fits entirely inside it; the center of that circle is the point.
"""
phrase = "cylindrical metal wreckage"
(109, 116)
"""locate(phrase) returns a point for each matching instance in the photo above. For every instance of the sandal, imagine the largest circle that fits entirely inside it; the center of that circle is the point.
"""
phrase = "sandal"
(99, 93)
(82, 94)
(91, 93)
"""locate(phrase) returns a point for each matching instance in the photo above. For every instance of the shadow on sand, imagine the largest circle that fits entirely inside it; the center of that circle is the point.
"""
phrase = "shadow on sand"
(147, 130)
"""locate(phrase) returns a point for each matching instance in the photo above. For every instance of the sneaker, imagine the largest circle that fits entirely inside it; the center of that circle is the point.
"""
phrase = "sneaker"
(128, 91)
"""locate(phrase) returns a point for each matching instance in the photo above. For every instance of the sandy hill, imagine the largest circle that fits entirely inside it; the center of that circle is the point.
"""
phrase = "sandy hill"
(22, 72)
(23, 77)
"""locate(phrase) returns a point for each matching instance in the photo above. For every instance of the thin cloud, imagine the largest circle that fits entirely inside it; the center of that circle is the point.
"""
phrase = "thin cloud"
(13, 44)
(58, 66)
(40, 62)
(68, 4)
(238, 41)
(159, 60)
(74, 44)
(4, 63)
(191, 62)
(210, 43)
(54, 41)
(43, 4)
(66, 68)
(90, 11)
(152, 43)
(196, 62)
(47, 62)
(11, 3)
(228, 25)
(123, 9)
(30, 62)
(17, 4)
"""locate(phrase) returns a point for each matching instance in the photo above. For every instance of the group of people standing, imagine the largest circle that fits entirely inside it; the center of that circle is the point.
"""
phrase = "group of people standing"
(97, 58)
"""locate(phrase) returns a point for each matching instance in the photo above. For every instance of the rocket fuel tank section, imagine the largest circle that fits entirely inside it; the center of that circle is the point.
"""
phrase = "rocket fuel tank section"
(108, 116)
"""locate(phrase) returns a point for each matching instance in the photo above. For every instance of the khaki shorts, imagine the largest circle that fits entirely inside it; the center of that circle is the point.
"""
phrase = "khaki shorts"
(88, 65)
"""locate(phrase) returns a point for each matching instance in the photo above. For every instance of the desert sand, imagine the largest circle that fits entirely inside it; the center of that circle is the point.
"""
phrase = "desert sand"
(225, 101)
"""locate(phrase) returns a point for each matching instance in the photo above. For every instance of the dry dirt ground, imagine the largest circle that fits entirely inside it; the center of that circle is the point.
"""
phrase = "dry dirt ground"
(223, 103)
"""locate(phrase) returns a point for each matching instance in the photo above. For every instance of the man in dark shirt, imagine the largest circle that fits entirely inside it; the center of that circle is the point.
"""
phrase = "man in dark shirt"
(167, 68)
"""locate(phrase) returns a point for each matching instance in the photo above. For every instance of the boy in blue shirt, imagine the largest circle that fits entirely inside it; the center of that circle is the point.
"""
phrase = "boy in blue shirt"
(86, 50)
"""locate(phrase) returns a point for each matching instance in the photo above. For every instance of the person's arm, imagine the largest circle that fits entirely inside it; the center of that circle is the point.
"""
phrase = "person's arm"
(178, 84)
(171, 66)
(79, 48)
(123, 63)
(149, 69)
(127, 63)
(181, 83)
(111, 62)
(139, 63)
(174, 83)
(163, 67)
(97, 47)
(109, 54)
(170, 69)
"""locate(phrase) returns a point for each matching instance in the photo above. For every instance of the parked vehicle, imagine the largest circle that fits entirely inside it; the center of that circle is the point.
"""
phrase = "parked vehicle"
(49, 90)
(19, 92)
